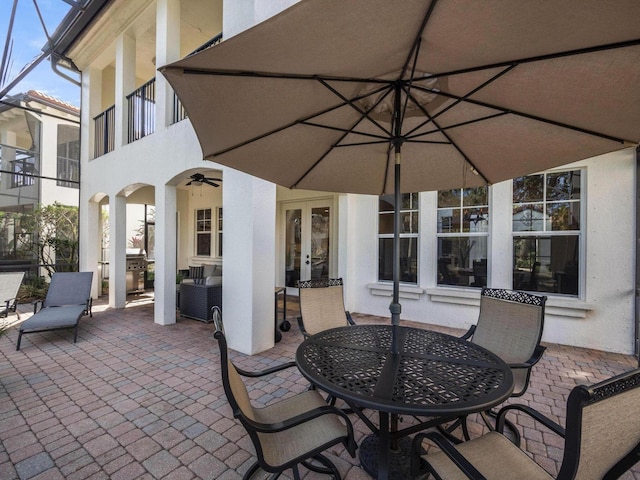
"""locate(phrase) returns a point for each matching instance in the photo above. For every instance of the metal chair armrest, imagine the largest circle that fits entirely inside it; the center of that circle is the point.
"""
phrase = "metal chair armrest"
(35, 304)
(539, 417)
(305, 334)
(535, 358)
(417, 463)
(267, 371)
(624, 465)
(469, 333)
(349, 319)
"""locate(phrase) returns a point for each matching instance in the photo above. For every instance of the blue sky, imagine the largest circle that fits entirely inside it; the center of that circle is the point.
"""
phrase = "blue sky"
(28, 39)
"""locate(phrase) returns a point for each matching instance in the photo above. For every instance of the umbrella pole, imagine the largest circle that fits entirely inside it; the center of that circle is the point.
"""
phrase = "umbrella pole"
(395, 307)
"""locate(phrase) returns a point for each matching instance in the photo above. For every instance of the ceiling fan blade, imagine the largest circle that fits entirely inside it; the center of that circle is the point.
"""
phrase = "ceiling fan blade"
(189, 183)
(209, 182)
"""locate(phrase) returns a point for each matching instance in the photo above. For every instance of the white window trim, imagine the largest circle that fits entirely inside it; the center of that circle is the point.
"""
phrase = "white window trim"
(582, 242)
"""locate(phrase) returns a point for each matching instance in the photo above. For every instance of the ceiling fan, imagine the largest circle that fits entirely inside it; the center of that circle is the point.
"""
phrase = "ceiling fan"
(198, 179)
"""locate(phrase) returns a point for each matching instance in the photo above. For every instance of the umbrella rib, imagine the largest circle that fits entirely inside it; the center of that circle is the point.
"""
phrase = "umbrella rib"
(460, 100)
(345, 130)
(345, 133)
(416, 43)
(351, 102)
(412, 138)
(532, 117)
(277, 76)
(538, 58)
(454, 144)
(284, 127)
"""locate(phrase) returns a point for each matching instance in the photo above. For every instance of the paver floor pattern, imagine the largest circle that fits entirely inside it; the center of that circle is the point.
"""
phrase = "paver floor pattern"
(132, 399)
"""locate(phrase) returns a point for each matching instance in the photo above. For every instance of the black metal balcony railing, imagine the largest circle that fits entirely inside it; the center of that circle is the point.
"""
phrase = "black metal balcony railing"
(23, 171)
(104, 132)
(179, 113)
(142, 111)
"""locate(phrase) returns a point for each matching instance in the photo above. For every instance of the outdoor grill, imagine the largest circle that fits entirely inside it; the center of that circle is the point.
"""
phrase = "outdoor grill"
(136, 266)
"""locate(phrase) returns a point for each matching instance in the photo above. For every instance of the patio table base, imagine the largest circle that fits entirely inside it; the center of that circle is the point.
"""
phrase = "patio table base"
(399, 458)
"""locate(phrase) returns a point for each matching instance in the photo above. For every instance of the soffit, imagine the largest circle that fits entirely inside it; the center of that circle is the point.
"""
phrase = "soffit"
(100, 36)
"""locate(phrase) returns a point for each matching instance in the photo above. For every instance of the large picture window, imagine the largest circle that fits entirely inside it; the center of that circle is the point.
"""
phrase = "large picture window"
(463, 232)
(547, 232)
(203, 232)
(408, 238)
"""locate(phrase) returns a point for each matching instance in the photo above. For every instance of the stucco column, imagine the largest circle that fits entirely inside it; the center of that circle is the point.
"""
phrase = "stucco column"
(90, 222)
(117, 251)
(125, 84)
(90, 243)
(501, 238)
(249, 218)
(165, 253)
(167, 50)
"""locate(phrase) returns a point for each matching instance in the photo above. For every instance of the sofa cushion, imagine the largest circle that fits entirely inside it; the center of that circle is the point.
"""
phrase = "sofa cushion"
(209, 270)
(195, 272)
(213, 280)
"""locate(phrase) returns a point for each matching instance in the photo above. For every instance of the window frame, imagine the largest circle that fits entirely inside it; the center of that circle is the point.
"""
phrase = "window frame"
(550, 233)
(460, 233)
(198, 233)
(413, 234)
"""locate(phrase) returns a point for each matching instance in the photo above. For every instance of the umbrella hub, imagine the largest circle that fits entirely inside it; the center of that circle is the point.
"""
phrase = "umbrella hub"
(416, 93)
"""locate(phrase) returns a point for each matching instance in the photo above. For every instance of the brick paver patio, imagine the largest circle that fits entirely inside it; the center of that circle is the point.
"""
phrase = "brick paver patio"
(132, 399)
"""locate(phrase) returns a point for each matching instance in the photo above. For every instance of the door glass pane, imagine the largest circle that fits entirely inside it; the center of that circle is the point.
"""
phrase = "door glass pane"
(320, 242)
(292, 247)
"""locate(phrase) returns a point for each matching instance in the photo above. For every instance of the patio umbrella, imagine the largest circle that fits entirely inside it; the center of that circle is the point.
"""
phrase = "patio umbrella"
(380, 97)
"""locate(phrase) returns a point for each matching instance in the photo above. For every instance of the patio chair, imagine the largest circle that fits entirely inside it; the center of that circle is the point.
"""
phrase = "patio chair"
(601, 439)
(288, 433)
(510, 324)
(322, 306)
(9, 286)
(67, 300)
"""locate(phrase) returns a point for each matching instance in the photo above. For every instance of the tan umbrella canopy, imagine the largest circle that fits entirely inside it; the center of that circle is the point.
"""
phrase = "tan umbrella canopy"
(329, 94)
(497, 89)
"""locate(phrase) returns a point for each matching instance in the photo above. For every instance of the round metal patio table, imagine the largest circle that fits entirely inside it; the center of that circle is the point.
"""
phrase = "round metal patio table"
(435, 377)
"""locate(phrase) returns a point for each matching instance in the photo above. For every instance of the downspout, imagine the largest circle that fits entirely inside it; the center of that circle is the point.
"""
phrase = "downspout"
(637, 254)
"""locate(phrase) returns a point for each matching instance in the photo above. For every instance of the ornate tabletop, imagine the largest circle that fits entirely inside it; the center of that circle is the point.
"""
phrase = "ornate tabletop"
(433, 374)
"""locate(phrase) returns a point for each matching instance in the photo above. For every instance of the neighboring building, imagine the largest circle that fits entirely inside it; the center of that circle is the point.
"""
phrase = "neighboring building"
(39, 165)
(569, 232)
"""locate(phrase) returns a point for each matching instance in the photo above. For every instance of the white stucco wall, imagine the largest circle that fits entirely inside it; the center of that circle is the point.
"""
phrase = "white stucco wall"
(602, 318)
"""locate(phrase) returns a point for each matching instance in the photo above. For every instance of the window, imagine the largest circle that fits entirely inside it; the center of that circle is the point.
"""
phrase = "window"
(463, 233)
(220, 231)
(203, 232)
(408, 238)
(68, 168)
(547, 232)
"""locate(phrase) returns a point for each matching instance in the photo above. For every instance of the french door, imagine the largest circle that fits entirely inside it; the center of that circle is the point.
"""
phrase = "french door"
(307, 241)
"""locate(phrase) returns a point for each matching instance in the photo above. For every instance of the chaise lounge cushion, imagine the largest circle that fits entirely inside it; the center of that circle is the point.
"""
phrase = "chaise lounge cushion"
(53, 318)
(68, 299)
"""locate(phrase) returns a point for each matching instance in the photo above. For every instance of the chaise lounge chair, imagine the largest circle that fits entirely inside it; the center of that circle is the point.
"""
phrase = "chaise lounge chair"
(9, 286)
(68, 299)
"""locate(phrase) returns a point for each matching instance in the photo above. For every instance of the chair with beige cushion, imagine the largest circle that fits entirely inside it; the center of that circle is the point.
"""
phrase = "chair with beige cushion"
(322, 305)
(601, 439)
(510, 324)
(287, 433)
